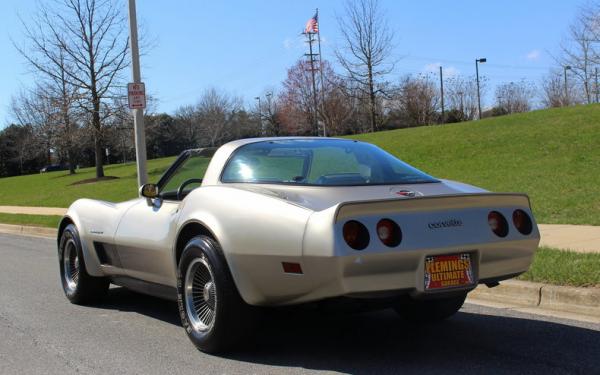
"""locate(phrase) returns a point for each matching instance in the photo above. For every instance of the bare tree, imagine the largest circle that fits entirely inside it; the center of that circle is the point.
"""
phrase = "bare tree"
(515, 97)
(35, 110)
(553, 91)
(83, 43)
(217, 113)
(269, 113)
(460, 94)
(296, 100)
(579, 50)
(338, 107)
(367, 49)
(417, 101)
(294, 108)
(187, 117)
(63, 96)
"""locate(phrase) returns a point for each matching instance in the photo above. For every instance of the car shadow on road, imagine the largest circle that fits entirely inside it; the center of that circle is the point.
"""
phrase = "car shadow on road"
(380, 342)
(122, 299)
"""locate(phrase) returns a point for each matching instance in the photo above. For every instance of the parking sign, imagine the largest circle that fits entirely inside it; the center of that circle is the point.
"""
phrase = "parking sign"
(136, 94)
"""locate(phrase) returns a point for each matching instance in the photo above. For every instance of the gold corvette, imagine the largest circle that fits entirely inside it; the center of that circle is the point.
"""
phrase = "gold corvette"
(286, 221)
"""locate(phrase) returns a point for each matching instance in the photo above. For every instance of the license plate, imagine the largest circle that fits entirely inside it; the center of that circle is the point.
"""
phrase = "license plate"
(448, 271)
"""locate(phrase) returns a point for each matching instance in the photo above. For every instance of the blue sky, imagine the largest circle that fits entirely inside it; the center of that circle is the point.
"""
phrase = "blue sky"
(245, 47)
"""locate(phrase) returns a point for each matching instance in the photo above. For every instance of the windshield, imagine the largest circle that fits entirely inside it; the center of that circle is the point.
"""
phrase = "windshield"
(319, 162)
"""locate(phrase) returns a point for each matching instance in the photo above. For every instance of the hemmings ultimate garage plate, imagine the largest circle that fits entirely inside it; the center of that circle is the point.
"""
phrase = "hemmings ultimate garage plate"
(448, 271)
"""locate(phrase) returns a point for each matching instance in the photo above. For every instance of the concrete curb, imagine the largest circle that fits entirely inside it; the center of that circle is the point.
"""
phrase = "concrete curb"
(26, 230)
(583, 301)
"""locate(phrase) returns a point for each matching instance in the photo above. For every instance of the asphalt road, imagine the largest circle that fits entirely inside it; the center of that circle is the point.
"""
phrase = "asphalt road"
(41, 332)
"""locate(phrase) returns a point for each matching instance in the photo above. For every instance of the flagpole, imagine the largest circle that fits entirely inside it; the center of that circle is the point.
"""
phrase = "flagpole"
(321, 72)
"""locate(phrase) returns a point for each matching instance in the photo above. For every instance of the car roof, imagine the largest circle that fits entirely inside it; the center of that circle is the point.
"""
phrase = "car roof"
(213, 172)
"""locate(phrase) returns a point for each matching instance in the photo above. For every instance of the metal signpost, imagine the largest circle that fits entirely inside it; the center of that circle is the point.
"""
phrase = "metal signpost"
(137, 98)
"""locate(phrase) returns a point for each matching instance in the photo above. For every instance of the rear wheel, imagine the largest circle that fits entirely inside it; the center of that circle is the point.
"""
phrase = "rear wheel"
(429, 310)
(212, 311)
(79, 286)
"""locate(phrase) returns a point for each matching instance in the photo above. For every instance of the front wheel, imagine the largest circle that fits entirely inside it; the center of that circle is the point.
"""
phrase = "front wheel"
(79, 286)
(429, 310)
(211, 309)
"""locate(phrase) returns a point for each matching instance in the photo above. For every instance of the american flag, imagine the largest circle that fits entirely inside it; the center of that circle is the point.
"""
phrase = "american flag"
(312, 25)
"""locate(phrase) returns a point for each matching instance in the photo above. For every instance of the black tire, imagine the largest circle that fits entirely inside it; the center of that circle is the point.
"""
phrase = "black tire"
(424, 311)
(232, 320)
(80, 287)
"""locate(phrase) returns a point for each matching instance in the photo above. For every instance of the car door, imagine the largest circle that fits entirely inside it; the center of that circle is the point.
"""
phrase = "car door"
(144, 239)
(146, 234)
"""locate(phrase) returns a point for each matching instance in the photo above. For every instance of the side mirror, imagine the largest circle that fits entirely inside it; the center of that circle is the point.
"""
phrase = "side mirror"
(149, 191)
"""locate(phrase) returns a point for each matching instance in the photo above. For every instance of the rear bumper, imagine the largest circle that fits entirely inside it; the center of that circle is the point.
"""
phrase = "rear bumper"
(262, 280)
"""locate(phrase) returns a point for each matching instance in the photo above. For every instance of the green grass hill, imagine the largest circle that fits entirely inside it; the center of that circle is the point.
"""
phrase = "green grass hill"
(553, 155)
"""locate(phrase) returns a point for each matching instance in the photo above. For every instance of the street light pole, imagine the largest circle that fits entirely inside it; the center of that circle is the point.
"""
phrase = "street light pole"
(260, 116)
(567, 67)
(477, 62)
(138, 114)
(269, 96)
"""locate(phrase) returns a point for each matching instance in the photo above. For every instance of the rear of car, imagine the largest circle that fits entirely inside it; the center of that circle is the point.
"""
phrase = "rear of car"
(420, 247)
(433, 244)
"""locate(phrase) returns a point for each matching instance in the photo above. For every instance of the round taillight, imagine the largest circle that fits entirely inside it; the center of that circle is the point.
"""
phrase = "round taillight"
(356, 235)
(522, 222)
(389, 232)
(498, 223)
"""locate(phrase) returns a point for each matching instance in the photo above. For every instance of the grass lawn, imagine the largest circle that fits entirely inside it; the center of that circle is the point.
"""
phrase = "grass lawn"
(553, 155)
(564, 268)
(55, 189)
(50, 221)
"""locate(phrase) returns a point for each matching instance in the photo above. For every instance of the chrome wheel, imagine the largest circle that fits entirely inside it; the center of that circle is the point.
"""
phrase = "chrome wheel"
(200, 295)
(71, 266)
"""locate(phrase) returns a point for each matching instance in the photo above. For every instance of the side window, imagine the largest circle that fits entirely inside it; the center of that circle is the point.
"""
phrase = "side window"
(193, 167)
(278, 165)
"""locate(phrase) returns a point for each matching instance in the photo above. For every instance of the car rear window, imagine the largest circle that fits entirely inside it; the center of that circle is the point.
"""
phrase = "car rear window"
(318, 162)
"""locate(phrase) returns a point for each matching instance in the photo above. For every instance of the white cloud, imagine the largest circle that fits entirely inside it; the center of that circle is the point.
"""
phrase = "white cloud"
(533, 55)
(449, 71)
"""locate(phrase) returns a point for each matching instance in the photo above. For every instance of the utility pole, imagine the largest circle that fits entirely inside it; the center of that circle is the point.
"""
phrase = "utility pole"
(138, 114)
(311, 56)
(596, 72)
(477, 62)
(321, 71)
(567, 67)
(442, 92)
